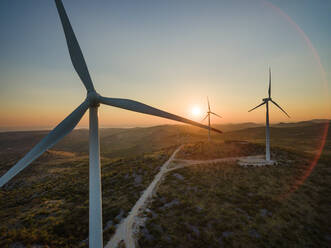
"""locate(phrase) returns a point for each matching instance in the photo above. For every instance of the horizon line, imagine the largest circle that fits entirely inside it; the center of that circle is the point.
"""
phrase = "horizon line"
(49, 128)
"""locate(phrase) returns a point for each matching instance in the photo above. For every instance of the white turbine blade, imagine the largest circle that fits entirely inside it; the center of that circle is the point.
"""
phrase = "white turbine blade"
(145, 109)
(256, 107)
(205, 117)
(280, 108)
(75, 52)
(216, 114)
(208, 104)
(51, 139)
(269, 90)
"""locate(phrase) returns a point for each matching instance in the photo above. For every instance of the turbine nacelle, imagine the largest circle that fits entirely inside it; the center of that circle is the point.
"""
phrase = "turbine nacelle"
(93, 99)
(266, 99)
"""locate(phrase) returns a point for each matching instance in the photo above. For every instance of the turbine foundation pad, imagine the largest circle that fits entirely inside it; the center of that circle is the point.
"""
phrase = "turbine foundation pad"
(256, 162)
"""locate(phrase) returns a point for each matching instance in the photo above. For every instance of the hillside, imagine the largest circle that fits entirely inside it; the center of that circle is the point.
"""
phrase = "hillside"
(47, 204)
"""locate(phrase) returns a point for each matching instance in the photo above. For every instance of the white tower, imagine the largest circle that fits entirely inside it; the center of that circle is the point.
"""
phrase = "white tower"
(267, 131)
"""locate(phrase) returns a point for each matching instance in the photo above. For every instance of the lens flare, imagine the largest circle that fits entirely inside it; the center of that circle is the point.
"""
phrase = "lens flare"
(324, 135)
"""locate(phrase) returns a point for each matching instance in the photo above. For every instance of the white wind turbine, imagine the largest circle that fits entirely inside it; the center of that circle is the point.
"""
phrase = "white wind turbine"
(208, 115)
(266, 102)
(92, 103)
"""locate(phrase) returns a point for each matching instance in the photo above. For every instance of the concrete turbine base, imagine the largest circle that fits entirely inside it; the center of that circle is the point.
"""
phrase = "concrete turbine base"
(256, 162)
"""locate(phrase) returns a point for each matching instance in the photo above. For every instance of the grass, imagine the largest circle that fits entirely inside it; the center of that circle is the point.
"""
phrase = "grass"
(213, 206)
(47, 204)
(218, 149)
(225, 205)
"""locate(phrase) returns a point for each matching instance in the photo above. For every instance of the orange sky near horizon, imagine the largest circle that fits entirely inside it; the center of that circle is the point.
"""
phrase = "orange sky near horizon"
(46, 116)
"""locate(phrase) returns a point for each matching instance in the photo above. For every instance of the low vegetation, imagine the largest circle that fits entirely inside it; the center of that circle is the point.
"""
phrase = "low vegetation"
(47, 204)
(218, 149)
(225, 205)
(215, 205)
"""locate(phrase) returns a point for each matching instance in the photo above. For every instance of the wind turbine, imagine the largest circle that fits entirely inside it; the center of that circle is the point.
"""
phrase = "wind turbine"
(208, 115)
(92, 102)
(266, 102)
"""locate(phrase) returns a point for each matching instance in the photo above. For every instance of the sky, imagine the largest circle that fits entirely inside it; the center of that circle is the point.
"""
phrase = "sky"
(168, 54)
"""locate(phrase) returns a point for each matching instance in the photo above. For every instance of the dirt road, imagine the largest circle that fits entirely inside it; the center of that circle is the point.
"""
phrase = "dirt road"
(130, 226)
(125, 231)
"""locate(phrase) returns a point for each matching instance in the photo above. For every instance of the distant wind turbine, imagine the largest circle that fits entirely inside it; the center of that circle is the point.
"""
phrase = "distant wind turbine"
(92, 102)
(266, 102)
(208, 115)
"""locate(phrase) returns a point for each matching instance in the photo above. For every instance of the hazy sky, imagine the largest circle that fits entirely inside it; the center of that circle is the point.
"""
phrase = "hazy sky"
(169, 54)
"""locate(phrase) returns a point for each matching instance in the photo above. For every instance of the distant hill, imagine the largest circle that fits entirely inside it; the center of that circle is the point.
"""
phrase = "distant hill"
(237, 126)
(301, 123)
(305, 135)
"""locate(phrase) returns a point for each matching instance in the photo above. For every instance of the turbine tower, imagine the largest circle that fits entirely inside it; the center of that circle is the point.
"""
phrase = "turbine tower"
(266, 102)
(208, 115)
(92, 102)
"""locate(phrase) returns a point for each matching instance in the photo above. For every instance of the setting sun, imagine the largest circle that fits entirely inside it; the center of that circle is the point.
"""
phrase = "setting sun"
(196, 111)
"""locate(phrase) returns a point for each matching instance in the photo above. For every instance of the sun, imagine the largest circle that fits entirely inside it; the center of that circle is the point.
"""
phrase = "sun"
(196, 111)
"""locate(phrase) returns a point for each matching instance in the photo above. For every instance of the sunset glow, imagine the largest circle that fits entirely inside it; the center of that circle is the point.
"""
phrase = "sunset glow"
(196, 111)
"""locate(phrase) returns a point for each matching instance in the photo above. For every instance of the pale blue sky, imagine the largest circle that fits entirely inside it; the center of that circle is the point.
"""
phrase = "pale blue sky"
(170, 54)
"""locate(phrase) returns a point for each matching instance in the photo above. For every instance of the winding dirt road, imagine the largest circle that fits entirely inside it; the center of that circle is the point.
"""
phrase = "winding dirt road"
(130, 226)
(125, 231)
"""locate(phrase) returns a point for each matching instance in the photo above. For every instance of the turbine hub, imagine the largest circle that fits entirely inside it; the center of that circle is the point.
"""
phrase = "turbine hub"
(93, 99)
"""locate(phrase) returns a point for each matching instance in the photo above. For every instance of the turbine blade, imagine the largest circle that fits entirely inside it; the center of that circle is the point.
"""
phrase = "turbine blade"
(51, 139)
(269, 90)
(75, 52)
(280, 108)
(208, 104)
(205, 117)
(216, 114)
(145, 109)
(256, 107)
